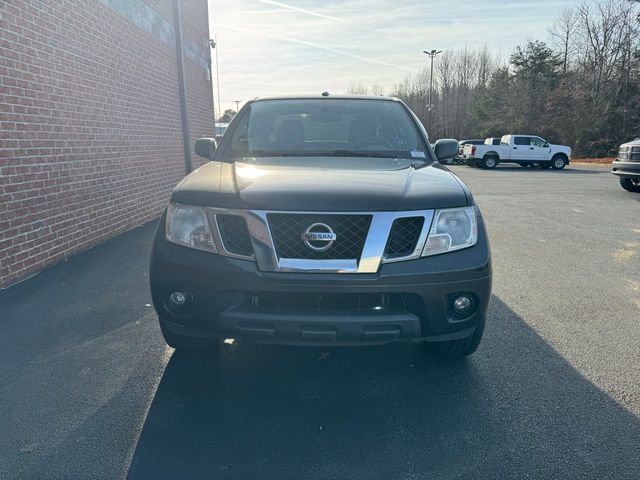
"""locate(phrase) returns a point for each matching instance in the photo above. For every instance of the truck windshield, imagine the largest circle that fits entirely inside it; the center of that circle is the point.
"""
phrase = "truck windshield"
(326, 127)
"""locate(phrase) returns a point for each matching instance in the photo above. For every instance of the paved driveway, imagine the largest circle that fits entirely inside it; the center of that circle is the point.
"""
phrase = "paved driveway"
(88, 389)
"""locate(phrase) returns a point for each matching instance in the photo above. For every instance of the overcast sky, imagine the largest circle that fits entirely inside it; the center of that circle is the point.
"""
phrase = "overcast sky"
(271, 47)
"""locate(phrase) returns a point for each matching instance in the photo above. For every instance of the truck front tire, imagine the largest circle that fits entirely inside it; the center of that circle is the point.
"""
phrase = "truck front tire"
(186, 342)
(630, 184)
(456, 349)
(558, 162)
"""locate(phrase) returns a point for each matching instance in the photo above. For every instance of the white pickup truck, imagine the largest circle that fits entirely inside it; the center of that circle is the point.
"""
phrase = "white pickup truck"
(525, 150)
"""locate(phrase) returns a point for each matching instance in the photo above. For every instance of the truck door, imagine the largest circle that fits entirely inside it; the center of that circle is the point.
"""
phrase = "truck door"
(520, 148)
(539, 150)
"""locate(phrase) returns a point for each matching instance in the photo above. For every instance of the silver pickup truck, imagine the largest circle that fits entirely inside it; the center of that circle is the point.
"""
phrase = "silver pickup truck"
(627, 165)
(525, 150)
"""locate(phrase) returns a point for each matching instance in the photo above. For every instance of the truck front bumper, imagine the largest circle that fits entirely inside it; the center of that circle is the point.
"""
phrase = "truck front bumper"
(626, 169)
(404, 301)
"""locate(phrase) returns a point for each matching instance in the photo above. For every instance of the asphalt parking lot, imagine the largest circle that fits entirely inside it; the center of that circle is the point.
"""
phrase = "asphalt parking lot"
(89, 390)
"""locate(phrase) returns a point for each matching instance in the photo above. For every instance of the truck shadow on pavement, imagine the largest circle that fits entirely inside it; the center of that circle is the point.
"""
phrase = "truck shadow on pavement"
(570, 170)
(516, 408)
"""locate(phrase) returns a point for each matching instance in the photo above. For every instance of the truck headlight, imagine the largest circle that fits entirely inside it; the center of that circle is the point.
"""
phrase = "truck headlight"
(187, 225)
(451, 229)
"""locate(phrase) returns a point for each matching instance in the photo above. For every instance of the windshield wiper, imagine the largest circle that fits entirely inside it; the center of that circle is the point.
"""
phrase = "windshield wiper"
(327, 153)
(271, 153)
(363, 153)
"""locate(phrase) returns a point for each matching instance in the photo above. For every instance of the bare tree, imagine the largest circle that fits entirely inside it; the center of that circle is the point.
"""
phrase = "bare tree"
(604, 27)
(358, 89)
(377, 89)
(563, 35)
(582, 87)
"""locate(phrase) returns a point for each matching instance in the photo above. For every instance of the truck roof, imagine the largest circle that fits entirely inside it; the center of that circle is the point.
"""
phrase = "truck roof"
(520, 135)
(325, 96)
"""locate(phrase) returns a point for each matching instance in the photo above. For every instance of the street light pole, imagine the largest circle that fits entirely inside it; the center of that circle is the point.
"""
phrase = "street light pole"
(237, 102)
(213, 43)
(215, 39)
(431, 54)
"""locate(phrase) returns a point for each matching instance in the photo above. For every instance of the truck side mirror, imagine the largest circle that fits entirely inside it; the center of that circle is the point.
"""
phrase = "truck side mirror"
(446, 148)
(206, 147)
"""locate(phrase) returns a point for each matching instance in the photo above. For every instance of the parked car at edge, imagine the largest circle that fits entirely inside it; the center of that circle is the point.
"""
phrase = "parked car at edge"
(525, 150)
(323, 220)
(627, 165)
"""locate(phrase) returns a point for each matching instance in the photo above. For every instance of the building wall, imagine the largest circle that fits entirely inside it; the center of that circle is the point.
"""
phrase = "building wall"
(90, 126)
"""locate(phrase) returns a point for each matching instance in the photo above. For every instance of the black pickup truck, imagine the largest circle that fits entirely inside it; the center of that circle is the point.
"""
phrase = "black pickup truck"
(323, 220)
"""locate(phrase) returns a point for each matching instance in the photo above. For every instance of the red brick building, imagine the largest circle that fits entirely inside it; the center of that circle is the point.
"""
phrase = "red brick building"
(91, 124)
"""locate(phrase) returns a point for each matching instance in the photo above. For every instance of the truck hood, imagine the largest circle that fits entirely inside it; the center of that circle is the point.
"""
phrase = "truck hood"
(322, 184)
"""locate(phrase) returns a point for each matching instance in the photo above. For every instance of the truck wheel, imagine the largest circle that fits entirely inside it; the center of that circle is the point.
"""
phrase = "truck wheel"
(456, 349)
(489, 162)
(558, 162)
(630, 184)
(186, 342)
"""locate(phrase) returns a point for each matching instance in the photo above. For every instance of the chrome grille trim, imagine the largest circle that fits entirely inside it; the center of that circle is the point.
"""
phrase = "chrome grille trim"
(373, 251)
(629, 153)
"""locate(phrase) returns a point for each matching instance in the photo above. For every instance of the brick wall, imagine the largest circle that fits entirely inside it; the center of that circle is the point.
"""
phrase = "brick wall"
(90, 128)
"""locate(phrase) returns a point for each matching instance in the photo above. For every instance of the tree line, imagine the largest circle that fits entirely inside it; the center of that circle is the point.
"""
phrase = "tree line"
(579, 86)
